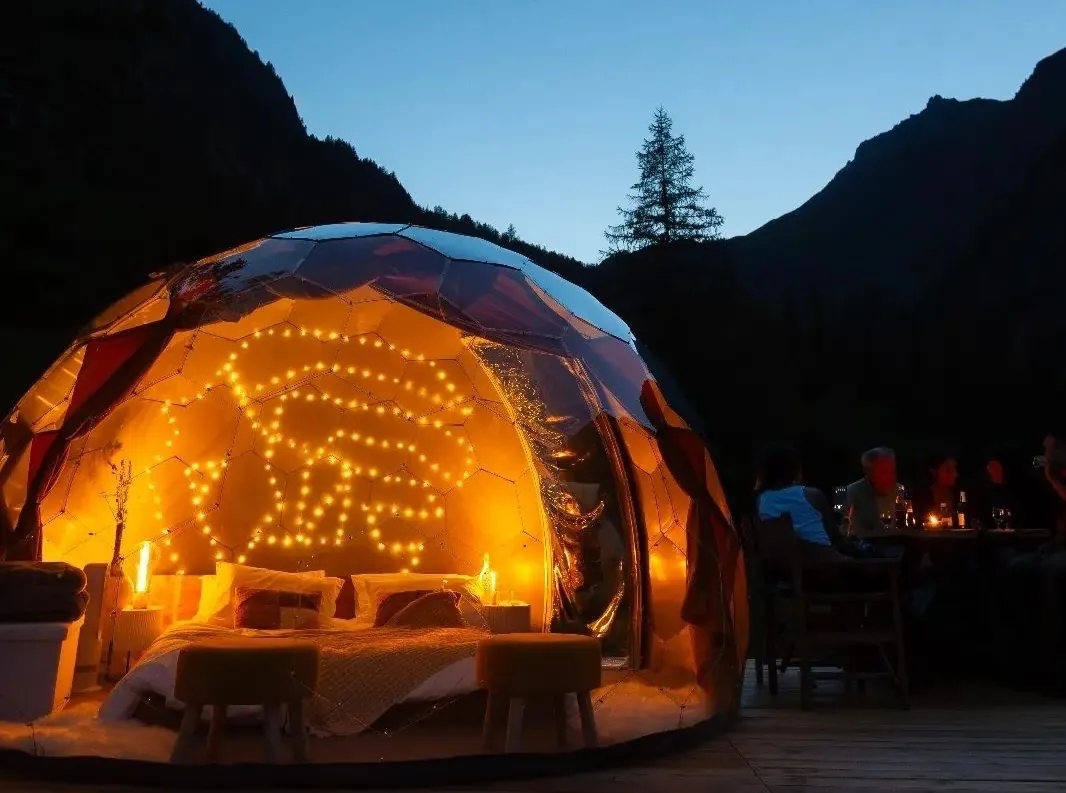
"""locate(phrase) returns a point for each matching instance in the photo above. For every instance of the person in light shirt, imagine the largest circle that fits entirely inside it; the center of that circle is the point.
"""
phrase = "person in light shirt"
(780, 492)
(869, 500)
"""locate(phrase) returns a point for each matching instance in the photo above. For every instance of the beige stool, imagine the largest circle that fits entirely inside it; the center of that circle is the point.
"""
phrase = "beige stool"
(267, 672)
(515, 667)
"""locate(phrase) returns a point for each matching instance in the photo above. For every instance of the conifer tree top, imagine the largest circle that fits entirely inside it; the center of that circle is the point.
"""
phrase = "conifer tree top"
(665, 205)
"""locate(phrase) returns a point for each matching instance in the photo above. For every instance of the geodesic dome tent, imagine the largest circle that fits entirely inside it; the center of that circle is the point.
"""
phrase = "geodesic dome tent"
(389, 399)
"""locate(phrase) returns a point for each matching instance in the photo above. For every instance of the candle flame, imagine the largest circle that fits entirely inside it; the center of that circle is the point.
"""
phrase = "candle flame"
(144, 559)
(486, 579)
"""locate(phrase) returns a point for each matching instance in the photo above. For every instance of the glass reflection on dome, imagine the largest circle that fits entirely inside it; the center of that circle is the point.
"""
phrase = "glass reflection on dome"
(578, 301)
(340, 231)
(458, 247)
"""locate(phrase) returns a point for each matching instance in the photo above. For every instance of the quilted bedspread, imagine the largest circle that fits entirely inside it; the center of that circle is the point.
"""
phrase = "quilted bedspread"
(361, 673)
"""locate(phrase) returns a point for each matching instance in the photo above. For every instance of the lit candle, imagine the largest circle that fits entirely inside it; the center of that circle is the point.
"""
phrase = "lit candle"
(143, 576)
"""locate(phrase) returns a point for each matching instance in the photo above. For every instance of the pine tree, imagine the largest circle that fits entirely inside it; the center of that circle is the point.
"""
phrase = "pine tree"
(666, 206)
(511, 234)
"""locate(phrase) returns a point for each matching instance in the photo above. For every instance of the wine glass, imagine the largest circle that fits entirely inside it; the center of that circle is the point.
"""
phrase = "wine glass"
(998, 517)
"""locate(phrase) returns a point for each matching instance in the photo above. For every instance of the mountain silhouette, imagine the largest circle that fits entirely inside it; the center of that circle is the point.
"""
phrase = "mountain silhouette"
(137, 133)
(912, 198)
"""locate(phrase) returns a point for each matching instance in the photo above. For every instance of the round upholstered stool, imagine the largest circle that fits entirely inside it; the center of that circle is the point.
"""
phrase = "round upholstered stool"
(267, 672)
(515, 667)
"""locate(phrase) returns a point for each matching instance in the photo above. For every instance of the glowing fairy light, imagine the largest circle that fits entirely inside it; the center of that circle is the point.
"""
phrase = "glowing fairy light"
(319, 512)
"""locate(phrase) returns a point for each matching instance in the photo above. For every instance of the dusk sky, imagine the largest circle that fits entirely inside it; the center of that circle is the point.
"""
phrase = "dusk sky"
(530, 113)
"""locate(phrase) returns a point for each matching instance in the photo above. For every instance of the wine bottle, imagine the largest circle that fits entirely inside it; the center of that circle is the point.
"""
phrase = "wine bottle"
(960, 518)
(900, 508)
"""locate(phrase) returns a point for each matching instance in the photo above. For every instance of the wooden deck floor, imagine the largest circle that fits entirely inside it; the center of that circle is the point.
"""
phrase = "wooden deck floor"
(959, 738)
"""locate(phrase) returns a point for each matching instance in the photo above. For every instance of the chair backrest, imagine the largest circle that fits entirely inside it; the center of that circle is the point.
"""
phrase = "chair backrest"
(776, 539)
(779, 547)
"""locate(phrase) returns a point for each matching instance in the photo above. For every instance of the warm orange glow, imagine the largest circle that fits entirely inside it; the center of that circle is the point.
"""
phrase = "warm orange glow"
(144, 560)
(142, 578)
(389, 435)
(486, 582)
(932, 521)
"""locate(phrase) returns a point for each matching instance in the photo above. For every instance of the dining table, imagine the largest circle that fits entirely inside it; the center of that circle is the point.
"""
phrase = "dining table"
(961, 576)
(947, 535)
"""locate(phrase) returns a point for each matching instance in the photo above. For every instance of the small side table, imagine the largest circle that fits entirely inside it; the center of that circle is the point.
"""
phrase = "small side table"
(508, 617)
(135, 630)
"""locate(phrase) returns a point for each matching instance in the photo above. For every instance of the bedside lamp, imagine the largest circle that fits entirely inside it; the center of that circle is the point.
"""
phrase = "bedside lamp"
(137, 625)
(508, 616)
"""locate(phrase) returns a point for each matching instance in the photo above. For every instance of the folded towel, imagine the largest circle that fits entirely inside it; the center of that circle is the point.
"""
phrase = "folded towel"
(68, 608)
(41, 592)
(57, 576)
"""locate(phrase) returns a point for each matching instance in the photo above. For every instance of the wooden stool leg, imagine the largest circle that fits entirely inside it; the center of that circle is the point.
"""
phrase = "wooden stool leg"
(515, 711)
(215, 732)
(272, 732)
(495, 720)
(299, 731)
(559, 709)
(190, 721)
(588, 720)
(807, 680)
(902, 680)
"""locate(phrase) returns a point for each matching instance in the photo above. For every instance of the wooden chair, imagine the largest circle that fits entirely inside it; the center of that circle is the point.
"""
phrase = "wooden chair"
(829, 608)
(757, 597)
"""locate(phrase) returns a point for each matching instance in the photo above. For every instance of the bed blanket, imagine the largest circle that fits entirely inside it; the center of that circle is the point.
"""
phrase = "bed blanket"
(361, 673)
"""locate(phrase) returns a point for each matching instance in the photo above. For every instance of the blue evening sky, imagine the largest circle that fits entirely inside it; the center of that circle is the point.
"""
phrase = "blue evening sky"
(530, 111)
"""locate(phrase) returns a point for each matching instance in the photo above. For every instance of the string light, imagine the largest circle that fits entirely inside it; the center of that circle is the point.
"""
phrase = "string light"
(311, 514)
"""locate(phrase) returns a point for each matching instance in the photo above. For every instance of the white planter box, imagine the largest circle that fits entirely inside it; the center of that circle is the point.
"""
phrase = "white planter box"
(36, 668)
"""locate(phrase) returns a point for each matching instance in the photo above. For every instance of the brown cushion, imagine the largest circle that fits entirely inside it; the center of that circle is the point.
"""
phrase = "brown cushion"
(270, 610)
(393, 604)
(539, 663)
(246, 671)
(345, 600)
(433, 610)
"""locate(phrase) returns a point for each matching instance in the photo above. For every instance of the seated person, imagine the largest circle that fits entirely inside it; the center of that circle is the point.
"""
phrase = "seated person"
(993, 502)
(1053, 552)
(779, 492)
(939, 496)
(868, 501)
(1040, 577)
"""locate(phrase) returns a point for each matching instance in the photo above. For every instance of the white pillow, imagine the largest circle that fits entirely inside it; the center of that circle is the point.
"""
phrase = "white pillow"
(208, 585)
(372, 588)
(218, 607)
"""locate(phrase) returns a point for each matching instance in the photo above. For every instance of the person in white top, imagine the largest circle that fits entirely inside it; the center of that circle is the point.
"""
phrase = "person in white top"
(781, 492)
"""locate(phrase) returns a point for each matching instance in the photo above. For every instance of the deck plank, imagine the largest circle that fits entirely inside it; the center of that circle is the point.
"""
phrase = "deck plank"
(959, 738)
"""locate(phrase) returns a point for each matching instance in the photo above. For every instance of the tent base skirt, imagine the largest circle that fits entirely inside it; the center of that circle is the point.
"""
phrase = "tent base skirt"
(444, 772)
